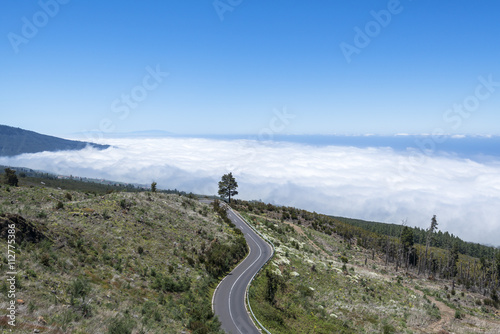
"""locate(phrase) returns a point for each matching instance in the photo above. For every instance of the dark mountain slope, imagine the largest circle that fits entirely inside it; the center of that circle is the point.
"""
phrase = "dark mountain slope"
(14, 141)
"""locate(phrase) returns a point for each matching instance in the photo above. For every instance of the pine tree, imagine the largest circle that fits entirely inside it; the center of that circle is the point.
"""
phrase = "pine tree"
(227, 186)
(11, 177)
(407, 238)
(453, 260)
(497, 262)
(430, 232)
(407, 242)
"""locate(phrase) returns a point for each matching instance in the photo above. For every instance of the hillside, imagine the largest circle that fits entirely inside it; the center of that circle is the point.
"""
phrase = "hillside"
(327, 278)
(441, 239)
(14, 141)
(122, 262)
(102, 258)
(30, 177)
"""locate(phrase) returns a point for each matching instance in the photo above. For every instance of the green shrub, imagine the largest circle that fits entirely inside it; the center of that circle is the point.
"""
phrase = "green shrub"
(190, 261)
(4, 288)
(221, 257)
(305, 291)
(487, 302)
(168, 284)
(388, 328)
(31, 273)
(157, 316)
(106, 215)
(148, 309)
(59, 205)
(79, 288)
(433, 311)
(123, 204)
(45, 259)
(121, 325)
(494, 297)
(31, 307)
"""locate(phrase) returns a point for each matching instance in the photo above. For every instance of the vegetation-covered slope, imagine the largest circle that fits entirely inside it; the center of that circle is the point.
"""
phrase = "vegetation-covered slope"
(440, 239)
(321, 281)
(100, 260)
(14, 141)
(113, 263)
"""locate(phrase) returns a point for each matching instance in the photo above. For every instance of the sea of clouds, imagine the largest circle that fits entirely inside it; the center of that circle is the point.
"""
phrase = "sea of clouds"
(378, 184)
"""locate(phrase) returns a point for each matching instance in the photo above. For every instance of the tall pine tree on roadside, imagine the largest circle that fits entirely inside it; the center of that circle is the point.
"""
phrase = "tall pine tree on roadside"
(227, 186)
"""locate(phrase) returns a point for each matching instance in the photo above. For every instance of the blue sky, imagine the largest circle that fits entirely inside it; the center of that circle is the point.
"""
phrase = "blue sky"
(260, 70)
(230, 75)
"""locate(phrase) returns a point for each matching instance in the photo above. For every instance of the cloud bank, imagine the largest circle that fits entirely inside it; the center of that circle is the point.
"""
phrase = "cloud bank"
(377, 184)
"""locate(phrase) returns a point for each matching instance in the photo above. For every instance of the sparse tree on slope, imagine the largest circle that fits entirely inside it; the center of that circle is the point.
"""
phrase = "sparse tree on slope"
(407, 238)
(497, 261)
(227, 186)
(153, 187)
(430, 232)
(407, 242)
(453, 259)
(11, 177)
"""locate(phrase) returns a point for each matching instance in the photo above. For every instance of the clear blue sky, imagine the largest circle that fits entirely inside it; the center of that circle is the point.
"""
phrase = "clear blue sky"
(226, 76)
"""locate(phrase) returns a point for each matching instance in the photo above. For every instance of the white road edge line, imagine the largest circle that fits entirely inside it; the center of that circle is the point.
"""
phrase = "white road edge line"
(250, 282)
(253, 317)
(217, 288)
(231, 291)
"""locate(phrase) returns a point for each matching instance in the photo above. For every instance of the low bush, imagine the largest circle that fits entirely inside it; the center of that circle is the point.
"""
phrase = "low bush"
(121, 325)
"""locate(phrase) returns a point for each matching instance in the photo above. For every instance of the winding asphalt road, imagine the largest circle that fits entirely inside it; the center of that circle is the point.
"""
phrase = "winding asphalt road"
(229, 298)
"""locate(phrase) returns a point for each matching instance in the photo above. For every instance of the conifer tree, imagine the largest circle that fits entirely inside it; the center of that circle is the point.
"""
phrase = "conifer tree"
(430, 232)
(227, 186)
(11, 177)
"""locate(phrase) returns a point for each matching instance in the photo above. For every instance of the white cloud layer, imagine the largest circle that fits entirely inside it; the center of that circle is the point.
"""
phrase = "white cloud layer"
(371, 183)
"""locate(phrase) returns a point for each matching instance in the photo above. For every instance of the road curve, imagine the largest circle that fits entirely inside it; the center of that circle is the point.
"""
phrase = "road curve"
(229, 298)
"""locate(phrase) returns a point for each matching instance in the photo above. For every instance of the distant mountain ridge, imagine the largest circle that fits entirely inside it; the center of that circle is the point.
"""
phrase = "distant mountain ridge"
(132, 134)
(15, 141)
